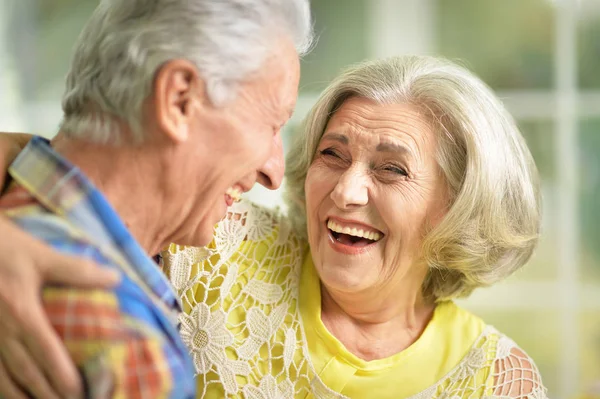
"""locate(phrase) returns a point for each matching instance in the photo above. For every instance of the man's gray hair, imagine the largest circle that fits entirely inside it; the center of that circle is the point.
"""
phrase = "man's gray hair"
(125, 43)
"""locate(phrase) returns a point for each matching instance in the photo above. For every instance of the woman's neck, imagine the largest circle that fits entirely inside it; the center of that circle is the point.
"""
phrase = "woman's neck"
(379, 323)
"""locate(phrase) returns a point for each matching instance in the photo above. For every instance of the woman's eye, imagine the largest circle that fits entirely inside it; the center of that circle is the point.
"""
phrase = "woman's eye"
(396, 169)
(329, 152)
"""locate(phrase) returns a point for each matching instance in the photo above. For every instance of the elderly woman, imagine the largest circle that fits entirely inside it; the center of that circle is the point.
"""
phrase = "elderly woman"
(410, 186)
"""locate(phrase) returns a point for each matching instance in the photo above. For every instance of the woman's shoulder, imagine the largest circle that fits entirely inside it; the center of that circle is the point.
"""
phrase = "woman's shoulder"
(508, 371)
(501, 346)
(514, 371)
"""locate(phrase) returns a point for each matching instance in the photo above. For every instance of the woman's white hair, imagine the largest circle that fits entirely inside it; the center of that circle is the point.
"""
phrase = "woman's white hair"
(126, 42)
(493, 219)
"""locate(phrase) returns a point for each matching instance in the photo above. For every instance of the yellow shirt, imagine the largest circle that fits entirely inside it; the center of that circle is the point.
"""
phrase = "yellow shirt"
(445, 341)
(253, 325)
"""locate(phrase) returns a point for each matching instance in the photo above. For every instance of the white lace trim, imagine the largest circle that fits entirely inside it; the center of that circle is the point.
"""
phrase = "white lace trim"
(244, 331)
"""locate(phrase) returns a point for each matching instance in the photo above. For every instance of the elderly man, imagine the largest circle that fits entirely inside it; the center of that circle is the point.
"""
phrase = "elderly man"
(197, 89)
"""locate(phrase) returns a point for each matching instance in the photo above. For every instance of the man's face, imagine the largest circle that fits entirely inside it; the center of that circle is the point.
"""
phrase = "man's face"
(246, 144)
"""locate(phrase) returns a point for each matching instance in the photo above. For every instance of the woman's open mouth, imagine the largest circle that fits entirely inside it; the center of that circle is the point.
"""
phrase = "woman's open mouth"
(352, 236)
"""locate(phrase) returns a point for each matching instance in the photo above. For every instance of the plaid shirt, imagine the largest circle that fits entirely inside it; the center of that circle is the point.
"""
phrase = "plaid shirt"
(124, 341)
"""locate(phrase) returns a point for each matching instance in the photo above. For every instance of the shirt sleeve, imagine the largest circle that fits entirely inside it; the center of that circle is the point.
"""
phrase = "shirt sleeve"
(117, 338)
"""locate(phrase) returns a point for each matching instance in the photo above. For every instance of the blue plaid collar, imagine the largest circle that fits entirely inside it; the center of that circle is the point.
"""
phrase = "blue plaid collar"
(63, 189)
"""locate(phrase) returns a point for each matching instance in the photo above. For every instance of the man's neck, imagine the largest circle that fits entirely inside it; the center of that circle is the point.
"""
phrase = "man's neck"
(130, 178)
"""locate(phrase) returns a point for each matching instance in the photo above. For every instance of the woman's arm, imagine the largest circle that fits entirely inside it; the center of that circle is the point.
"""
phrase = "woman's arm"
(26, 265)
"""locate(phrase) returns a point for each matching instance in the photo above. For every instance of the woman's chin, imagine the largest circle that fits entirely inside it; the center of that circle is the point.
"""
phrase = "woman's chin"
(343, 277)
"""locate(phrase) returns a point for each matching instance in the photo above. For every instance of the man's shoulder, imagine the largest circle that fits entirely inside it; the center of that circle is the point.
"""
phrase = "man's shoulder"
(56, 231)
(106, 330)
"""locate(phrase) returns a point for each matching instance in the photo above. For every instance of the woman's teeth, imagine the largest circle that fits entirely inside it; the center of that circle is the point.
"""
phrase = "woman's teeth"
(234, 193)
(369, 235)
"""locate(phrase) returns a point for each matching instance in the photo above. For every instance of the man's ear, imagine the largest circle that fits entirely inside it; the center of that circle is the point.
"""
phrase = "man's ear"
(178, 92)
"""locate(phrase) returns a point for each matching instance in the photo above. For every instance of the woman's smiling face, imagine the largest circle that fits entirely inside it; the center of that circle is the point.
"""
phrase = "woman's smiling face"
(373, 190)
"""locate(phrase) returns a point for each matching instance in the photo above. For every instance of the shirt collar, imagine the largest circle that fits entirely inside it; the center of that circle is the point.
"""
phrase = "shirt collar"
(63, 189)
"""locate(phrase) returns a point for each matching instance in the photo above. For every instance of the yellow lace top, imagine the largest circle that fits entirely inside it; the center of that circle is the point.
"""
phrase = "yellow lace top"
(253, 326)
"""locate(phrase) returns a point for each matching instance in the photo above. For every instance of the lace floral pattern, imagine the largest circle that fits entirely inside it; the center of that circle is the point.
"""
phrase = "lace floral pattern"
(243, 327)
(207, 336)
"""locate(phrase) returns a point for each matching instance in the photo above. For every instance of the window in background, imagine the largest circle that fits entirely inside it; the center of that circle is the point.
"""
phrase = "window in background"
(341, 29)
(589, 200)
(588, 36)
(508, 43)
(42, 36)
(60, 22)
(540, 139)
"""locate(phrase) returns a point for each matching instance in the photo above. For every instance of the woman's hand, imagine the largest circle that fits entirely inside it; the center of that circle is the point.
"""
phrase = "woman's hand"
(30, 350)
(33, 360)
